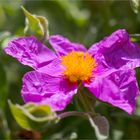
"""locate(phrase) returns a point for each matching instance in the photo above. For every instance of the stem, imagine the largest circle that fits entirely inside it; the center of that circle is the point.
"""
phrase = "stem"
(73, 113)
(86, 101)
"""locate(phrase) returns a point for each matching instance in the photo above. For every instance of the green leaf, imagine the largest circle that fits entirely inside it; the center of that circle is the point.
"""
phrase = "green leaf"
(134, 5)
(32, 116)
(100, 125)
(36, 25)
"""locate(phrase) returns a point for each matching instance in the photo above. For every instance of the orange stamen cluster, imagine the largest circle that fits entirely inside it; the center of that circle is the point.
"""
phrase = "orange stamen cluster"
(78, 66)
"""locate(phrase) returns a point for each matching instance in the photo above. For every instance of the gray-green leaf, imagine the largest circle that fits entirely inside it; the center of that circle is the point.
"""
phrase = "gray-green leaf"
(36, 25)
(100, 125)
(32, 116)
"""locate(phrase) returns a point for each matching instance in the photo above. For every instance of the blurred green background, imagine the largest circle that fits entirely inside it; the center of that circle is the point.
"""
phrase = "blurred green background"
(84, 21)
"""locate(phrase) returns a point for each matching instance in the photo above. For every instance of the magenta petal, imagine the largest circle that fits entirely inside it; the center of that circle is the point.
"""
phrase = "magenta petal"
(119, 89)
(58, 102)
(29, 51)
(119, 37)
(44, 89)
(63, 46)
(53, 68)
(117, 51)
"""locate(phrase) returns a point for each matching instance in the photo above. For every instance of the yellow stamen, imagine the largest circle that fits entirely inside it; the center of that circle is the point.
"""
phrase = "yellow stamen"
(78, 66)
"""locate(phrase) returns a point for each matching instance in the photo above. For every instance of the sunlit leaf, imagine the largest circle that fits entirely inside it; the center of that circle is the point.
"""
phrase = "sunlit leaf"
(36, 25)
(32, 116)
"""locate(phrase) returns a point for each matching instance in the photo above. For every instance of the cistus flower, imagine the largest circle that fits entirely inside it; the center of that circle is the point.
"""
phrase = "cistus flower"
(106, 69)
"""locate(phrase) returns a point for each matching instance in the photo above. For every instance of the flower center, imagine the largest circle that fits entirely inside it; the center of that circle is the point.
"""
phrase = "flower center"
(78, 66)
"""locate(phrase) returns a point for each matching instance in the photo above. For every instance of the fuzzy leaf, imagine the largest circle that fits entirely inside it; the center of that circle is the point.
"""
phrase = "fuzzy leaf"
(36, 25)
(32, 116)
(100, 125)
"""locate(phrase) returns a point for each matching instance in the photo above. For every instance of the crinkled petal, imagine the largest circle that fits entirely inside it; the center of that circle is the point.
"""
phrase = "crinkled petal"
(29, 51)
(45, 89)
(62, 45)
(119, 89)
(53, 68)
(117, 51)
(58, 102)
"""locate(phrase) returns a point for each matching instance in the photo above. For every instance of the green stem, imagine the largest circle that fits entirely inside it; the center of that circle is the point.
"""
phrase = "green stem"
(73, 113)
(87, 103)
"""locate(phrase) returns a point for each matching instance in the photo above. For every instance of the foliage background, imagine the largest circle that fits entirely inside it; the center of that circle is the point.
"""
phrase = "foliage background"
(85, 21)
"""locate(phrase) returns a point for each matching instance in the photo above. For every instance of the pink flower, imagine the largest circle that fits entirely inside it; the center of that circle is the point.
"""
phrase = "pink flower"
(106, 69)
